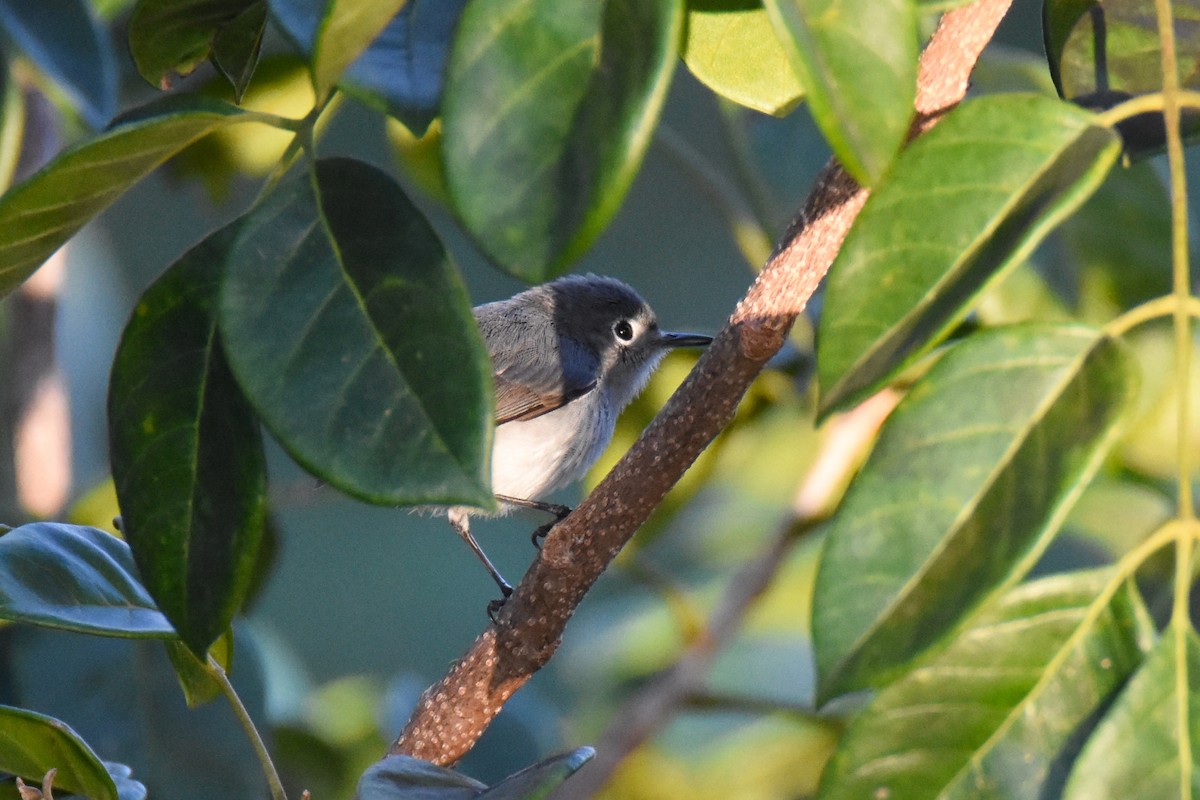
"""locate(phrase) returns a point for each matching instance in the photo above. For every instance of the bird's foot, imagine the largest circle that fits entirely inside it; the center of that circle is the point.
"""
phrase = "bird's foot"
(493, 608)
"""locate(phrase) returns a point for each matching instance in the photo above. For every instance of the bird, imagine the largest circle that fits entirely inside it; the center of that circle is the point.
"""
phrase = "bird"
(567, 357)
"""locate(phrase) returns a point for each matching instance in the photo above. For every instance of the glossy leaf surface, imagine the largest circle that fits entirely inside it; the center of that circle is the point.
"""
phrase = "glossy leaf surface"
(987, 716)
(75, 578)
(67, 43)
(168, 37)
(731, 47)
(39, 215)
(967, 200)
(541, 779)
(31, 744)
(548, 111)
(403, 68)
(1148, 744)
(185, 450)
(857, 62)
(351, 333)
(406, 778)
(971, 476)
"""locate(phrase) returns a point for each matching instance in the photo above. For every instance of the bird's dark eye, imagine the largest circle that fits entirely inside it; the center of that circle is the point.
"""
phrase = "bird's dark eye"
(623, 330)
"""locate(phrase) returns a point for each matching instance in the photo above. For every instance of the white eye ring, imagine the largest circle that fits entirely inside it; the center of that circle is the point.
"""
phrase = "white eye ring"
(623, 330)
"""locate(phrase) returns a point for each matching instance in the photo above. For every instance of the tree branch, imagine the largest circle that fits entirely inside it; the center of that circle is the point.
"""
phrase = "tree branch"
(452, 714)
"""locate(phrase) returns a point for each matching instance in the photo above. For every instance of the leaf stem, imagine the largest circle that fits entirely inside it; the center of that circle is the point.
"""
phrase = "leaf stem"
(1154, 309)
(1180, 617)
(1145, 104)
(239, 709)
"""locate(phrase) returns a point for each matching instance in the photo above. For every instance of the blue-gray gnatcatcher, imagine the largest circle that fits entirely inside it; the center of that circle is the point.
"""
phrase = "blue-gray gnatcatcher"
(567, 357)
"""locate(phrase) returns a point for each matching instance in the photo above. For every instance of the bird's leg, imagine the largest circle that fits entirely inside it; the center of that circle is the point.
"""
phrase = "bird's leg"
(461, 522)
(560, 513)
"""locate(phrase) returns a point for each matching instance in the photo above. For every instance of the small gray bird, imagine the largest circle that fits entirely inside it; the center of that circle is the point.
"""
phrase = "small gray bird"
(567, 357)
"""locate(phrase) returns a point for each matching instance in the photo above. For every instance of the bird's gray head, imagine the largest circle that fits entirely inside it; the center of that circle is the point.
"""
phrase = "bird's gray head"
(612, 322)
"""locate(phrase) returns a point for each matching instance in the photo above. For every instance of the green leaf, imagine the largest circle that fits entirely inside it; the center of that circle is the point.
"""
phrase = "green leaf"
(65, 41)
(731, 47)
(75, 578)
(548, 110)
(351, 333)
(39, 215)
(237, 46)
(541, 779)
(971, 477)
(197, 683)
(986, 717)
(407, 778)
(346, 30)
(1103, 53)
(857, 61)
(12, 123)
(403, 68)
(168, 37)
(32, 744)
(1148, 744)
(185, 450)
(968, 200)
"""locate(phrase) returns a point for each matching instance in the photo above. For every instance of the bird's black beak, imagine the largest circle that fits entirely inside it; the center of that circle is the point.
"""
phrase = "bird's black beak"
(673, 340)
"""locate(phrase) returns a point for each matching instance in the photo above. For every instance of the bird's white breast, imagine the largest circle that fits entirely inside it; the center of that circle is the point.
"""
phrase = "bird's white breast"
(532, 458)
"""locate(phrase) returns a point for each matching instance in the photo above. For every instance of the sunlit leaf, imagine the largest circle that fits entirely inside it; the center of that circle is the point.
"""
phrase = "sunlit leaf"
(731, 48)
(986, 717)
(347, 28)
(402, 68)
(351, 333)
(32, 744)
(75, 578)
(548, 111)
(39, 215)
(968, 200)
(1148, 744)
(857, 62)
(185, 450)
(972, 475)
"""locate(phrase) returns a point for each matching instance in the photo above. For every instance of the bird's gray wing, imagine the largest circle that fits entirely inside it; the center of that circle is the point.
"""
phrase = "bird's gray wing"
(534, 372)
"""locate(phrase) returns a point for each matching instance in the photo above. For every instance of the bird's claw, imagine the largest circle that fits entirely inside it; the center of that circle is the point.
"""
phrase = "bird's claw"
(493, 608)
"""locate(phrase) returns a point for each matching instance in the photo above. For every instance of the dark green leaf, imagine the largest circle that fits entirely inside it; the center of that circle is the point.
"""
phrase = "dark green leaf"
(732, 49)
(969, 199)
(986, 717)
(352, 335)
(123, 697)
(170, 37)
(1148, 744)
(548, 111)
(857, 62)
(185, 449)
(236, 47)
(75, 578)
(68, 44)
(403, 67)
(971, 477)
(32, 744)
(1103, 52)
(40, 214)
(540, 780)
(408, 778)
(347, 28)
